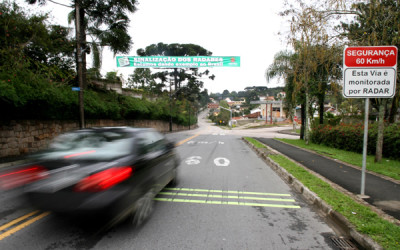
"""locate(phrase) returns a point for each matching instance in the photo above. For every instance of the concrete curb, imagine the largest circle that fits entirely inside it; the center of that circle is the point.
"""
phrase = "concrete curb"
(338, 220)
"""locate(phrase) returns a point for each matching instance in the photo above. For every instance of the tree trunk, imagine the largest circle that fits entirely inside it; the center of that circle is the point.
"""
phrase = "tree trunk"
(394, 108)
(303, 120)
(321, 109)
(381, 127)
(293, 111)
(307, 118)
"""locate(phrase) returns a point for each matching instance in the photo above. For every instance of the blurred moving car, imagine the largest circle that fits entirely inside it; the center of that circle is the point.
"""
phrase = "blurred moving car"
(116, 171)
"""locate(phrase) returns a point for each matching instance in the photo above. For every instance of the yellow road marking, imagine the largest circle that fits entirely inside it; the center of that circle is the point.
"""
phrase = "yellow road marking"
(188, 139)
(240, 196)
(9, 224)
(224, 191)
(227, 203)
(227, 197)
(21, 226)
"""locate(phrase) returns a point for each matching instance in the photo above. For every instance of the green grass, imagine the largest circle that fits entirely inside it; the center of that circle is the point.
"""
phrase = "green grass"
(362, 217)
(387, 167)
(262, 126)
(256, 143)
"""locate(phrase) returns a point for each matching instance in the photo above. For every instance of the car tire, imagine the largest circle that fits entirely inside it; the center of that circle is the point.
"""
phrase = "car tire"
(143, 208)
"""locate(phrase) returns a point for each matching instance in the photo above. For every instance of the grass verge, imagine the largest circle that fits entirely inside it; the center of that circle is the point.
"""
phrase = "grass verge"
(362, 217)
(387, 167)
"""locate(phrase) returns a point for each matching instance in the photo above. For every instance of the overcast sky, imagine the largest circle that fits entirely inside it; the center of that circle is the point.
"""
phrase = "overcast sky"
(248, 29)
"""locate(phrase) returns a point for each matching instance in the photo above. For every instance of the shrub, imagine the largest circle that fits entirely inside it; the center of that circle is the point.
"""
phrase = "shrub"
(350, 137)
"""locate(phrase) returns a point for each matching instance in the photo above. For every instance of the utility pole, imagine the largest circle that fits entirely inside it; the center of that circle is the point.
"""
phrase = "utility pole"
(170, 107)
(80, 52)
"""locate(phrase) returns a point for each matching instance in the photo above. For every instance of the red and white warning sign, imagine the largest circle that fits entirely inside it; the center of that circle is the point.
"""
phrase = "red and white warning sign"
(369, 72)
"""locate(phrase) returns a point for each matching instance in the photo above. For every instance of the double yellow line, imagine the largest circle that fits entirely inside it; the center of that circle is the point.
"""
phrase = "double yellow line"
(238, 198)
(11, 230)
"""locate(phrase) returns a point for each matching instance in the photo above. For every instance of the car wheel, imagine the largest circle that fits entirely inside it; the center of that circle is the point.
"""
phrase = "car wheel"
(143, 208)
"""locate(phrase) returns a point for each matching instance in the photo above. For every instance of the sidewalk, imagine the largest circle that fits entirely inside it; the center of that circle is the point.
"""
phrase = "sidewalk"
(383, 193)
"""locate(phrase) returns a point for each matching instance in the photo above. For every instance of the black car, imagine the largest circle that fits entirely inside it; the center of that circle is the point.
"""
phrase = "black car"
(116, 171)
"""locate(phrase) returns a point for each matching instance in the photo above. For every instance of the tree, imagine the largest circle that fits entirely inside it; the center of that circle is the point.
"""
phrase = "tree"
(140, 79)
(328, 71)
(376, 23)
(204, 98)
(311, 37)
(27, 39)
(224, 115)
(192, 77)
(225, 94)
(283, 66)
(92, 16)
(252, 96)
(112, 76)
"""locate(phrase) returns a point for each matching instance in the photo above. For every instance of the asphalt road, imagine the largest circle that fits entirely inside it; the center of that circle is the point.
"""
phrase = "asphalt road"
(227, 198)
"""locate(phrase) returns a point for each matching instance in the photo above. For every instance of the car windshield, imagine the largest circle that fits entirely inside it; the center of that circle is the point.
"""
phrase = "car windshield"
(89, 145)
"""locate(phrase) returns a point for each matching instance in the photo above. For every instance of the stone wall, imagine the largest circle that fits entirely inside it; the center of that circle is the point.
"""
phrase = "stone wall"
(18, 138)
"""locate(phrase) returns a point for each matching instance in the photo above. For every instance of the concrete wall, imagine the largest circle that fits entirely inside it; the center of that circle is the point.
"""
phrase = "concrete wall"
(26, 136)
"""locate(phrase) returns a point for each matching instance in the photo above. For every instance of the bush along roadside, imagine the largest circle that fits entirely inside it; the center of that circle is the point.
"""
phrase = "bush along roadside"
(365, 226)
(350, 137)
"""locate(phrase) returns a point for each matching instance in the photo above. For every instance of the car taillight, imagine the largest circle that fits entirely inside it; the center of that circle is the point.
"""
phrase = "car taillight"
(103, 180)
(22, 176)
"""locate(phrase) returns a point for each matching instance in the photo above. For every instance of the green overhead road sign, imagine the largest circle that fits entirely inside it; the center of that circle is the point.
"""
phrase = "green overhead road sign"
(178, 61)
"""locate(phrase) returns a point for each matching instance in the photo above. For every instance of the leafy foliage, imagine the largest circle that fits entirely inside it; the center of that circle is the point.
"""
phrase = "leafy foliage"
(187, 82)
(36, 76)
(350, 137)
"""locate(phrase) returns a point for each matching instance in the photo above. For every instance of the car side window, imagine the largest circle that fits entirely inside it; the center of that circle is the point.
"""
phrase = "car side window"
(150, 142)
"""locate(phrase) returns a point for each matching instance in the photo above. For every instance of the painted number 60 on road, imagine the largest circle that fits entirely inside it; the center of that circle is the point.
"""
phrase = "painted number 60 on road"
(219, 162)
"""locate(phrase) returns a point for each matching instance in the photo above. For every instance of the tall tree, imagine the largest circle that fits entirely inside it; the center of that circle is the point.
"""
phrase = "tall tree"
(100, 18)
(192, 77)
(105, 21)
(311, 37)
(377, 23)
(28, 38)
(283, 67)
(327, 71)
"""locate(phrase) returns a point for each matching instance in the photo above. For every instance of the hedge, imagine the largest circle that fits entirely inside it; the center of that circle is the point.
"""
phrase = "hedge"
(33, 97)
(350, 137)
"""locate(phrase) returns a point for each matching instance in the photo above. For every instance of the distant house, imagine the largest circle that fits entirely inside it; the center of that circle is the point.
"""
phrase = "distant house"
(270, 109)
(228, 100)
(213, 105)
(255, 110)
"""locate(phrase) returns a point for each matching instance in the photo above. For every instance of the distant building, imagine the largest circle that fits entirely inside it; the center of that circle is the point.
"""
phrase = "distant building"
(213, 105)
(271, 110)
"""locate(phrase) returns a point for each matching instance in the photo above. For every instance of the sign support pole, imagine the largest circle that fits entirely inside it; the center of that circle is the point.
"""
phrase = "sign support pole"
(365, 143)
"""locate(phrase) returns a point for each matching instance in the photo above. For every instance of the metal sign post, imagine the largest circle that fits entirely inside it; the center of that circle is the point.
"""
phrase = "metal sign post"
(369, 72)
(365, 143)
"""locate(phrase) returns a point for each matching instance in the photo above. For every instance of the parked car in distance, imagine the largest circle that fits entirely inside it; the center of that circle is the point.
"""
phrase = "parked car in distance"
(116, 171)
